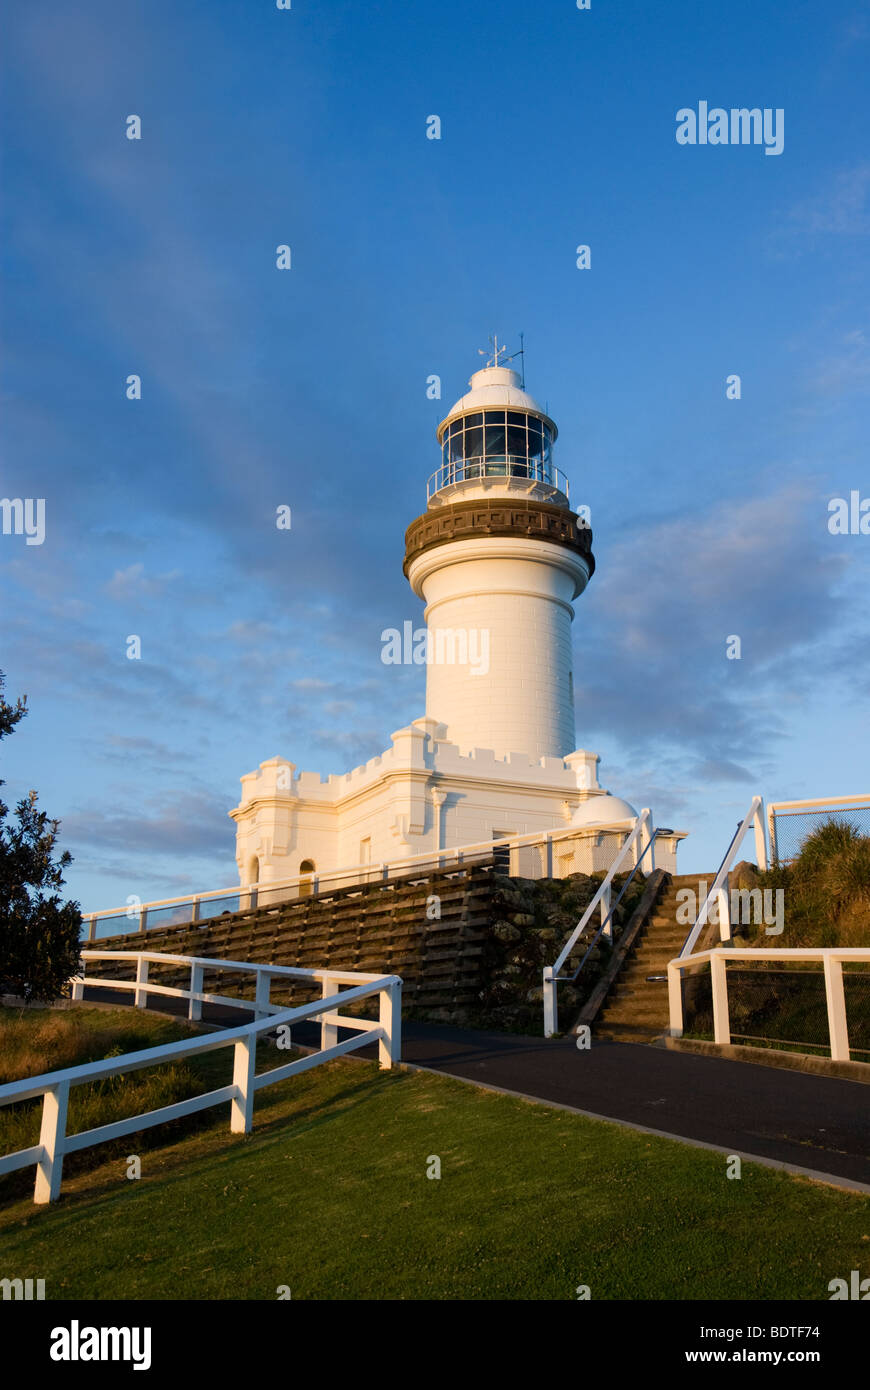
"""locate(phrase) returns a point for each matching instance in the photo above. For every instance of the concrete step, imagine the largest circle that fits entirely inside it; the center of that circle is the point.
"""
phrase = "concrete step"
(654, 947)
(636, 1009)
(639, 975)
(626, 1032)
(646, 1018)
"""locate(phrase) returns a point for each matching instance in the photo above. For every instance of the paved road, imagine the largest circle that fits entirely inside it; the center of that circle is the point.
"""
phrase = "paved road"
(814, 1123)
(793, 1118)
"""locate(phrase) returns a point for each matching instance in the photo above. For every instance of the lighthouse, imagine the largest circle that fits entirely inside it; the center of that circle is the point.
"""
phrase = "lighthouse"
(499, 559)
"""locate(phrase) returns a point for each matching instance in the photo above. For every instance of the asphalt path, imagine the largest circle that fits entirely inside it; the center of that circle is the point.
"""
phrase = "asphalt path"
(814, 1124)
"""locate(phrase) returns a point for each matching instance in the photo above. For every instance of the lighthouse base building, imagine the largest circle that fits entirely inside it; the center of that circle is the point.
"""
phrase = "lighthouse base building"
(499, 558)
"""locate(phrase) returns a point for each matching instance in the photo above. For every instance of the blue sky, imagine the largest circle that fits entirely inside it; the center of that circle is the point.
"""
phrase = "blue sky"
(308, 388)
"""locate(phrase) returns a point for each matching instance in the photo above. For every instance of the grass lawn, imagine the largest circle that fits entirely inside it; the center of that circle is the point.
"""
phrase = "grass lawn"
(330, 1197)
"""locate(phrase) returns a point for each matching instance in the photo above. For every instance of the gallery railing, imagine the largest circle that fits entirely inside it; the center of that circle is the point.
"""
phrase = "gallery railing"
(537, 470)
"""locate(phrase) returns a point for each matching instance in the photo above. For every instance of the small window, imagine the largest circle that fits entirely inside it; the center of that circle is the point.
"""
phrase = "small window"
(307, 871)
(515, 418)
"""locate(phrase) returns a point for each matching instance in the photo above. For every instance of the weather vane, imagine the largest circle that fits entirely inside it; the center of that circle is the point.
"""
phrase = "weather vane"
(495, 351)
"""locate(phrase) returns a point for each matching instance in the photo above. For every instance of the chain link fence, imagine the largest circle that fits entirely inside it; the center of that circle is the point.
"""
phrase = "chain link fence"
(789, 829)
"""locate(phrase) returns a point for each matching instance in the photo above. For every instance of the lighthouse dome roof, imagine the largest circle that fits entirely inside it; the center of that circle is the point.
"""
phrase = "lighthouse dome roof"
(603, 810)
(494, 387)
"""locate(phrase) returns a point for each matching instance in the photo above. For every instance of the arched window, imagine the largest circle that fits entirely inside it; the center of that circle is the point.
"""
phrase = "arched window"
(306, 868)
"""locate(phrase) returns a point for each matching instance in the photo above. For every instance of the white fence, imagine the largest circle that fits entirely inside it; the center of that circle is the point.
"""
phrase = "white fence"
(55, 1087)
(631, 853)
(528, 856)
(832, 958)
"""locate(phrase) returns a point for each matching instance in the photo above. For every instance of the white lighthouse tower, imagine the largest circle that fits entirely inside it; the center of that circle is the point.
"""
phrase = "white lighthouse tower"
(499, 558)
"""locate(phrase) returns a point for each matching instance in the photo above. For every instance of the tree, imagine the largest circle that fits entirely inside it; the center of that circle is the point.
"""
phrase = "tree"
(39, 933)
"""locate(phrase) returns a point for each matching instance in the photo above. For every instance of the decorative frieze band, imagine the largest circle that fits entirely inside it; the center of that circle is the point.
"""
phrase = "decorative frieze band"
(460, 521)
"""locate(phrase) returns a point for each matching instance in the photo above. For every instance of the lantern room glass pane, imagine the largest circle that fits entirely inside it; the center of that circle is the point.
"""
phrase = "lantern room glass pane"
(516, 442)
(495, 441)
(473, 443)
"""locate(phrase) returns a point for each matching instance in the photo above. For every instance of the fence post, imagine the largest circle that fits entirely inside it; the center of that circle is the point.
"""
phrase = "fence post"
(605, 908)
(78, 986)
(261, 998)
(638, 833)
(835, 998)
(390, 1018)
(724, 905)
(92, 929)
(548, 862)
(328, 1031)
(771, 826)
(760, 843)
(675, 1000)
(194, 910)
(652, 842)
(194, 1013)
(50, 1167)
(551, 1008)
(140, 998)
(143, 919)
(244, 1062)
(718, 979)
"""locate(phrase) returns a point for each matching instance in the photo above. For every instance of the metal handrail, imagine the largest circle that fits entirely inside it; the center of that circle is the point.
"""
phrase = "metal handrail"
(551, 972)
(754, 816)
(725, 859)
(609, 918)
